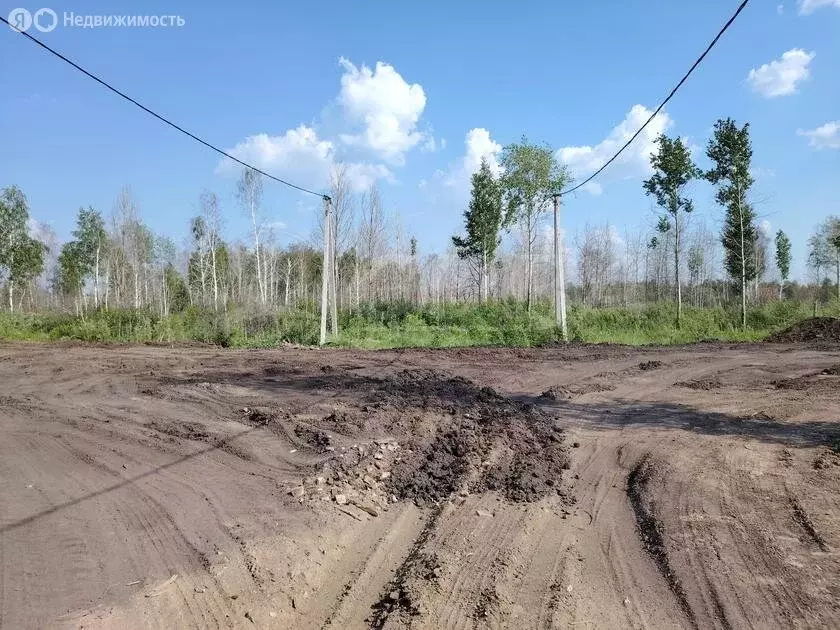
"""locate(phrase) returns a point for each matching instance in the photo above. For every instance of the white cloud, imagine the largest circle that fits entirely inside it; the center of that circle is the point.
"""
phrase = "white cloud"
(809, 6)
(433, 145)
(781, 76)
(825, 136)
(39, 231)
(452, 184)
(765, 227)
(615, 237)
(384, 108)
(478, 145)
(593, 188)
(780, 8)
(634, 162)
(299, 155)
(298, 151)
(363, 175)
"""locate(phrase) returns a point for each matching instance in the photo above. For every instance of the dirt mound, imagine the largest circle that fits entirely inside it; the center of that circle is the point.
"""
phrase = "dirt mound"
(700, 384)
(644, 366)
(567, 392)
(815, 329)
(490, 443)
(317, 439)
(184, 430)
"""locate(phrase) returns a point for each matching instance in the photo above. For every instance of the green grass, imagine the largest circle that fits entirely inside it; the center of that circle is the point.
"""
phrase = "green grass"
(399, 324)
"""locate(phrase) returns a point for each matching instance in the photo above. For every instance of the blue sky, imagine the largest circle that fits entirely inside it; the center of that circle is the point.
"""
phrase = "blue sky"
(412, 95)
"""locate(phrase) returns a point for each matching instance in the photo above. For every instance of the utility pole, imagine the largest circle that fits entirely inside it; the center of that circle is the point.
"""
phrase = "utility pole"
(333, 274)
(326, 267)
(559, 278)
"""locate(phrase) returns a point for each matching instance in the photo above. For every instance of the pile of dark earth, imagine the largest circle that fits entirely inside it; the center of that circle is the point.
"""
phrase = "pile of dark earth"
(820, 329)
(484, 442)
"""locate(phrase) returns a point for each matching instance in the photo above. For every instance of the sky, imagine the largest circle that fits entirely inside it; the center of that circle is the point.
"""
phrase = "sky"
(412, 96)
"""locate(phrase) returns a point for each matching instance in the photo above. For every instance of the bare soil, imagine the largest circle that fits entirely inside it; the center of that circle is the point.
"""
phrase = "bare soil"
(815, 329)
(578, 486)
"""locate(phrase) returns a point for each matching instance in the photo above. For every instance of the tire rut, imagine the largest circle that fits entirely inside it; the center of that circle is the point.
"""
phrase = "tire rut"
(650, 531)
(800, 516)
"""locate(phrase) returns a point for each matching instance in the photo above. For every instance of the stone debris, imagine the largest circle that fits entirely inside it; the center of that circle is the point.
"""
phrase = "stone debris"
(355, 477)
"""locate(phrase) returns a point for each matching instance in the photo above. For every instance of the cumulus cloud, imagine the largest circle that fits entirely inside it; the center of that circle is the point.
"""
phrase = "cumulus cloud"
(478, 145)
(383, 107)
(781, 76)
(298, 151)
(452, 183)
(634, 162)
(433, 145)
(825, 136)
(809, 6)
(363, 175)
(301, 156)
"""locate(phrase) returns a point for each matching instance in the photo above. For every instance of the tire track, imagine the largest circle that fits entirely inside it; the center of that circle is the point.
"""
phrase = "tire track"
(651, 530)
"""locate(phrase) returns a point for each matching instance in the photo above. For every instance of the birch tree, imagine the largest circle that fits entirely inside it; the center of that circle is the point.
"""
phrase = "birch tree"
(531, 176)
(673, 169)
(212, 226)
(782, 259)
(249, 193)
(21, 256)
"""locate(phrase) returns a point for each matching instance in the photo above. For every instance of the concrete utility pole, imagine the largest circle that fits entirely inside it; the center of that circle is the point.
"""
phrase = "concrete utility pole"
(333, 275)
(326, 268)
(559, 277)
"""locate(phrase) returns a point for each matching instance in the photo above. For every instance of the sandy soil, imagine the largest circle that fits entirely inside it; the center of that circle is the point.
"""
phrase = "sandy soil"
(579, 487)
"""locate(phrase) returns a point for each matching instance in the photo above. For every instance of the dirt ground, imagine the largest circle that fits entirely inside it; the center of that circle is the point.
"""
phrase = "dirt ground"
(567, 487)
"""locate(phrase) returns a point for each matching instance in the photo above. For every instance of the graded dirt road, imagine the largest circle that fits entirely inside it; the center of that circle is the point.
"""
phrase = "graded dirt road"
(567, 487)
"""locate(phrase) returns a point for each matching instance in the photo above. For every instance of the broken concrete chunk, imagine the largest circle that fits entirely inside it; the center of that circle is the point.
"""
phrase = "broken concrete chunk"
(367, 507)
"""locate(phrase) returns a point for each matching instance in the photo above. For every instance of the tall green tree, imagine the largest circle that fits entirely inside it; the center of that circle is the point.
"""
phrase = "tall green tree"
(21, 256)
(834, 241)
(824, 249)
(730, 151)
(532, 175)
(482, 221)
(92, 242)
(782, 259)
(673, 169)
(71, 272)
(28, 263)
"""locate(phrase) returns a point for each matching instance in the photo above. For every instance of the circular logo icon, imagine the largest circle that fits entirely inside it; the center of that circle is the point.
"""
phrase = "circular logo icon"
(49, 21)
(20, 20)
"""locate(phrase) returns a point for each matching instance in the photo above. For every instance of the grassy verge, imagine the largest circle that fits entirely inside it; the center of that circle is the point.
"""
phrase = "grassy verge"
(404, 325)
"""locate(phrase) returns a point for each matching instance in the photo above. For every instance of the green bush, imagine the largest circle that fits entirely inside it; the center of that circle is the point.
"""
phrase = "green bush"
(401, 324)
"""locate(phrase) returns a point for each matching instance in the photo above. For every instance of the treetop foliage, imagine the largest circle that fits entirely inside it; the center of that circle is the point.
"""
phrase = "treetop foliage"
(673, 169)
(532, 175)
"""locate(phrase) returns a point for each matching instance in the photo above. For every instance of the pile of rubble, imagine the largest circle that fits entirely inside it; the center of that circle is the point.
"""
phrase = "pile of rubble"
(354, 476)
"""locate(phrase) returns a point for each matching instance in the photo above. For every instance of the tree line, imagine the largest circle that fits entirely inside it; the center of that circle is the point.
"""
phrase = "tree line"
(117, 261)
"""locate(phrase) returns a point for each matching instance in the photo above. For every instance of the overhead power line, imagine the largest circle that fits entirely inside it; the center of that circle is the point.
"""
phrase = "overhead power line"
(663, 103)
(162, 118)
